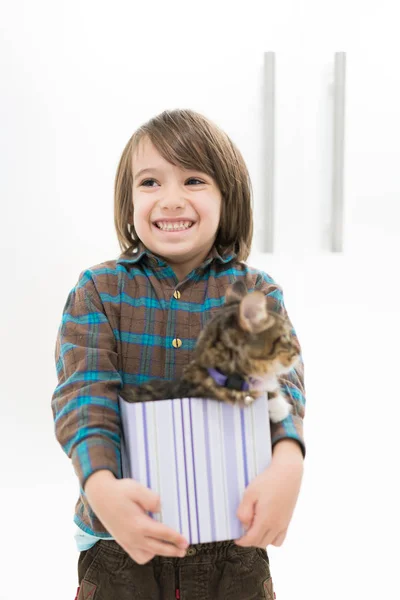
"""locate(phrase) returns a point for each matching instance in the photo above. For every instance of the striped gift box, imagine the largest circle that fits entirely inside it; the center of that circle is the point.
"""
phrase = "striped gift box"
(198, 455)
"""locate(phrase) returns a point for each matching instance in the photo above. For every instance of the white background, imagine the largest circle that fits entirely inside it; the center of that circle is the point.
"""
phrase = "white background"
(77, 78)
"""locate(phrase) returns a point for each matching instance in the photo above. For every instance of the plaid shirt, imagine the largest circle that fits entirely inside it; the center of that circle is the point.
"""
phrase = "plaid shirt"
(120, 325)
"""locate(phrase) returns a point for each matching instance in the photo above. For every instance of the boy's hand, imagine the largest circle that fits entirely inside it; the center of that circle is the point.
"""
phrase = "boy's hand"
(269, 500)
(120, 504)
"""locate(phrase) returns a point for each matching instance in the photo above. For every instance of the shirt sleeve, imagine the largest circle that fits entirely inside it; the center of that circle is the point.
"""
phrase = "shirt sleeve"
(291, 383)
(85, 402)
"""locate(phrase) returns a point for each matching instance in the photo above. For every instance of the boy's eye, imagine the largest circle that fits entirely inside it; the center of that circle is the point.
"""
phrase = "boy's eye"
(149, 182)
(194, 179)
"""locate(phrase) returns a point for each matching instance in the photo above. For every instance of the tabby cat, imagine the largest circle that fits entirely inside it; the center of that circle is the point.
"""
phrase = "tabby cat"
(238, 356)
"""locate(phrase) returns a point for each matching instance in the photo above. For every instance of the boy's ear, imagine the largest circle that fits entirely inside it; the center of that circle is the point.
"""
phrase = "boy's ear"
(253, 314)
(235, 292)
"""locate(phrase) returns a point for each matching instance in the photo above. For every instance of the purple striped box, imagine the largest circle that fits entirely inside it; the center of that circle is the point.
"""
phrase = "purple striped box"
(199, 455)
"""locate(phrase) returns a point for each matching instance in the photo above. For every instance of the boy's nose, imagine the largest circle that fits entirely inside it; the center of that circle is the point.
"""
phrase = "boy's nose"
(172, 202)
(173, 197)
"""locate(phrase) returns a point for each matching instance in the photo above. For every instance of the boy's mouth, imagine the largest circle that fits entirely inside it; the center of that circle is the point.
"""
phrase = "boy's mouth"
(173, 226)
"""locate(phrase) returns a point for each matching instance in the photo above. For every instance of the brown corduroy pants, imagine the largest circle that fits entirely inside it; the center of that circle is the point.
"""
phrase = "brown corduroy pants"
(214, 571)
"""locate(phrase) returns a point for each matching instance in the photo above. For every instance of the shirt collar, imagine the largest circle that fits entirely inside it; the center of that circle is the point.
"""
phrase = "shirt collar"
(142, 251)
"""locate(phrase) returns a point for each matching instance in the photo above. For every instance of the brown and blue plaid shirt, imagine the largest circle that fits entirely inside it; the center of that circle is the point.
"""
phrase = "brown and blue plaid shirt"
(130, 320)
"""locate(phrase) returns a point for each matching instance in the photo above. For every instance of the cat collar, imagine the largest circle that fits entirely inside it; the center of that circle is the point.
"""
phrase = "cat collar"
(233, 382)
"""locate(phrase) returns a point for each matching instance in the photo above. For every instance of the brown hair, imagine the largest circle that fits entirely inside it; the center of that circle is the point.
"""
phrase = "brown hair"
(190, 140)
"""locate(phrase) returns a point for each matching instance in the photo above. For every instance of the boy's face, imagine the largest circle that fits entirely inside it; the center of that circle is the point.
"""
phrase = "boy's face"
(171, 196)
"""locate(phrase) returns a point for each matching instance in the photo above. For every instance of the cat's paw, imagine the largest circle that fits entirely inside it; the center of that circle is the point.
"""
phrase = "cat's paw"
(278, 409)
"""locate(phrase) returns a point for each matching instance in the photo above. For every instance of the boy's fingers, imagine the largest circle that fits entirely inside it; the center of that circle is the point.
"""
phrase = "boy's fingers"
(159, 531)
(144, 496)
(163, 549)
(251, 538)
(278, 541)
(141, 556)
(245, 512)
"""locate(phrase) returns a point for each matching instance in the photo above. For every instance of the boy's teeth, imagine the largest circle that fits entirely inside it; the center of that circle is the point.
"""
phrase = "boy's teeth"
(174, 226)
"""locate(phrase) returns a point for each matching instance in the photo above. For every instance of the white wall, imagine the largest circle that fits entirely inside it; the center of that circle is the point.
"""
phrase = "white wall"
(75, 85)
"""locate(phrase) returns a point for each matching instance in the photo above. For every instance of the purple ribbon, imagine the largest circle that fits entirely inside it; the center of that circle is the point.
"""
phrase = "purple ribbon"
(221, 379)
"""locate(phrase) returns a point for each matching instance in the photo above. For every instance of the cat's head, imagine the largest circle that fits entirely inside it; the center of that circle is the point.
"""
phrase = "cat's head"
(246, 336)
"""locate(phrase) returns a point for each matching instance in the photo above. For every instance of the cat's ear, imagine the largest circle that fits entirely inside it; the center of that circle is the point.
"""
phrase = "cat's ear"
(235, 292)
(253, 314)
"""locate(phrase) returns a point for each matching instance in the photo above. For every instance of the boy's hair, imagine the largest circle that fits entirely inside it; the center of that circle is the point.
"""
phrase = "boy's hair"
(188, 139)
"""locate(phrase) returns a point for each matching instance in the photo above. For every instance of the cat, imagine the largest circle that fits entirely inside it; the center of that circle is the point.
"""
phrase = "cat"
(239, 355)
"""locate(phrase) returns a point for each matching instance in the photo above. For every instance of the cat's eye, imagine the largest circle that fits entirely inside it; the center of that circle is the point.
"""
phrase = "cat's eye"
(274, 343)
(282, 339)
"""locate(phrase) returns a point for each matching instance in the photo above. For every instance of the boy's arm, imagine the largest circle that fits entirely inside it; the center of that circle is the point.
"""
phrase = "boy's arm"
(287, 449)
(85, 401)
(292, 383)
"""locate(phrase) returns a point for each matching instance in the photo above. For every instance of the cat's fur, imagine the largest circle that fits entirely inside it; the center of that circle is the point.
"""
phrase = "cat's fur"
(243, 337)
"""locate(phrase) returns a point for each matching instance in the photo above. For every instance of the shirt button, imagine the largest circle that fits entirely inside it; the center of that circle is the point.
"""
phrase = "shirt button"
(177, 343)
(177, 294)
